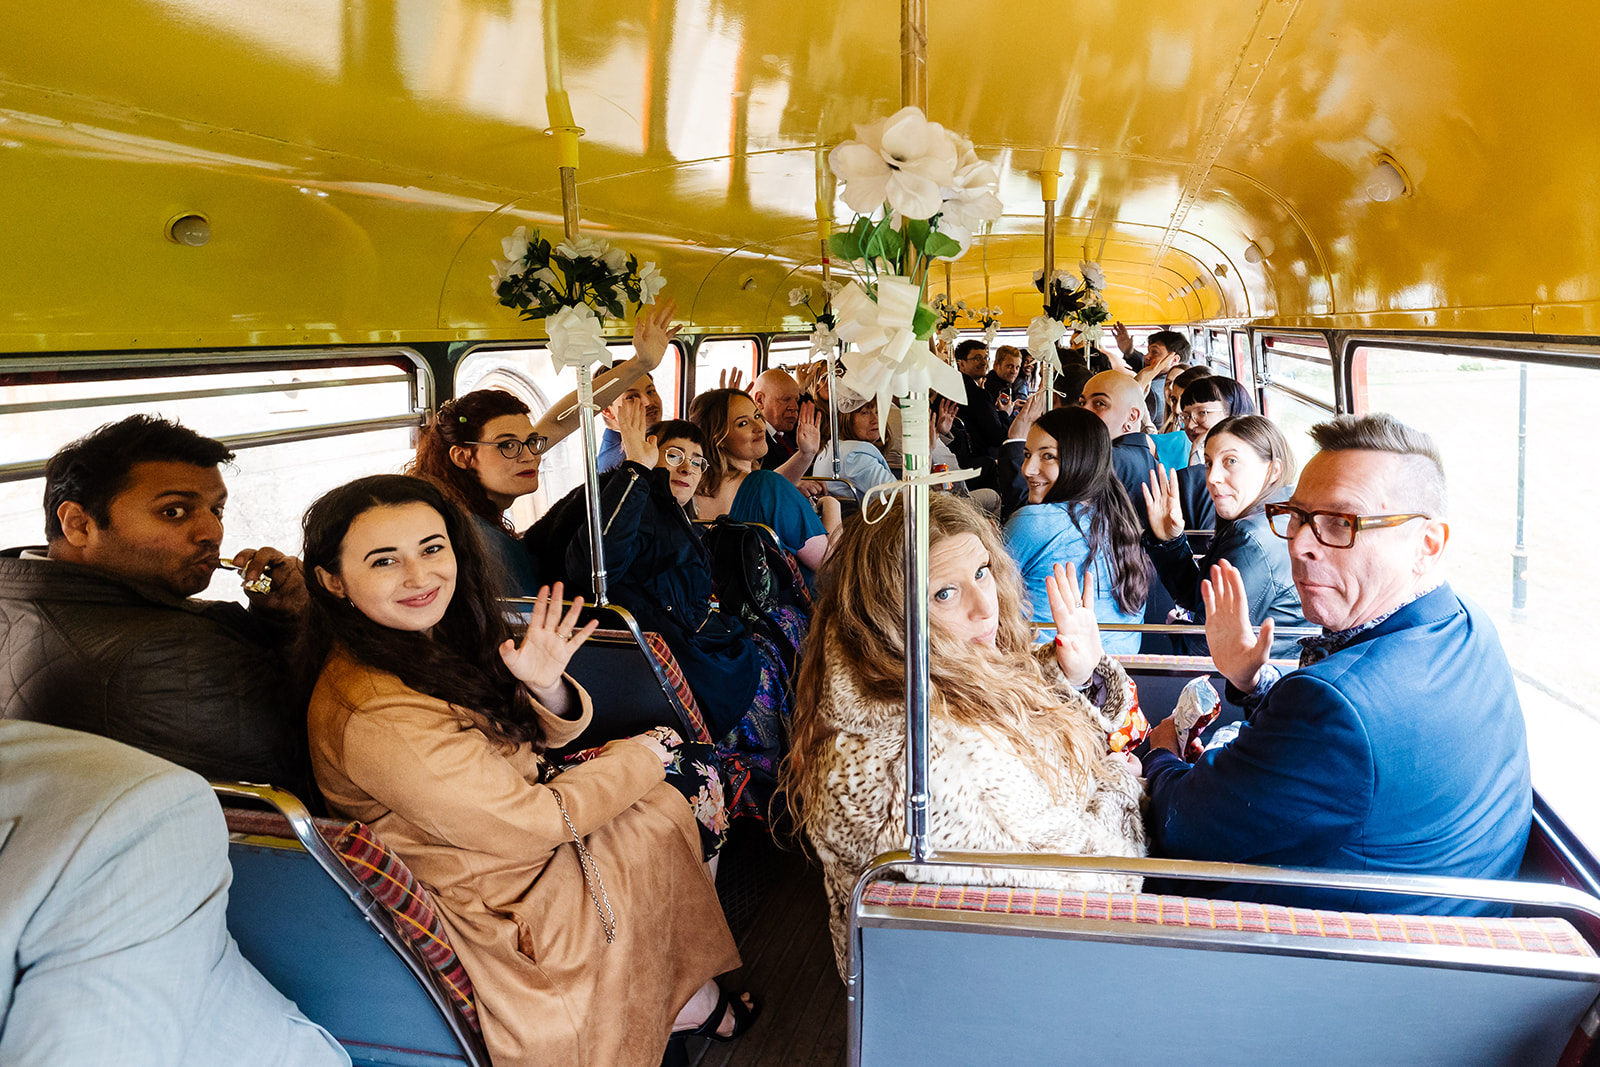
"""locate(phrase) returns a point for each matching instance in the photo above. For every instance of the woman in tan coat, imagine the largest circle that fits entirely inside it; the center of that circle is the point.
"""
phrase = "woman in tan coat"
(579, 904)
(1020, 737)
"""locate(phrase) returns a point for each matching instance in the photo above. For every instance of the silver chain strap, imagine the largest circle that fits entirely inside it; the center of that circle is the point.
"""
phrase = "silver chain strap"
(608, 919)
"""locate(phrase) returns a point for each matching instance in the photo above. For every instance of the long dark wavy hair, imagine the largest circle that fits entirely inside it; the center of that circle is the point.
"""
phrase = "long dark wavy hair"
(459, 662)
(460, 422)
(1088, 483)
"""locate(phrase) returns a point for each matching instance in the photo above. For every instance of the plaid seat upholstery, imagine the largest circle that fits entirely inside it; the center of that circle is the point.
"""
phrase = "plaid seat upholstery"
(391, 883)
(680, 685)
(1554, 936)
(396, 888)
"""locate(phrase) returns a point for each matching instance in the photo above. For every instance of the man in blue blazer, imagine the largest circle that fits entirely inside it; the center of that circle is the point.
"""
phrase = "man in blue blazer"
(1398, 746)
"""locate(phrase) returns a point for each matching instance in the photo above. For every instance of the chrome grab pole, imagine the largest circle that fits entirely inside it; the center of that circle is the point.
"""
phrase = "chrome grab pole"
(914, 439)
(566, 132)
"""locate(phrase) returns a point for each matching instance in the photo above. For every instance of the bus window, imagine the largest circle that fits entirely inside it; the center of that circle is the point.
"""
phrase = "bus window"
(789, 353)
(717, 356)
(1242, 371)
(1297, 389)
(527, 373)
(1476, 406)
(1221, 358)
(298, 429)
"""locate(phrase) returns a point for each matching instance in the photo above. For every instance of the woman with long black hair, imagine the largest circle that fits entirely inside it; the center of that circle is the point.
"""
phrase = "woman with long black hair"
(1078, 513)
(578, 902)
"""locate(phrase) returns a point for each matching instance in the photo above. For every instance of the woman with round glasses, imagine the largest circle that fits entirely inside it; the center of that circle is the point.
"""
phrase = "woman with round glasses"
(484, 450)
(1249, 468)
(657, 568)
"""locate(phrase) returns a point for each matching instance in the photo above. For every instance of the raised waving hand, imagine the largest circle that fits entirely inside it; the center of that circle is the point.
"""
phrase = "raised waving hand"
(1027, 415)
(653, 332)
(632, 421)
(1238, 651)
(1163, 503)
(540, 659)
(732, 378)
(1078, 649)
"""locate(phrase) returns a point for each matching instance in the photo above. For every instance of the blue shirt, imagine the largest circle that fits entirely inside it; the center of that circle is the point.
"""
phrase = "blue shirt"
(772, 500)
(611, 453)
(861, 465)
(1041, 535)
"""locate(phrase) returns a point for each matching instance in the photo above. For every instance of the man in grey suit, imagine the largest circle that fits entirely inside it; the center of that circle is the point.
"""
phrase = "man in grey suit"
(114, 946)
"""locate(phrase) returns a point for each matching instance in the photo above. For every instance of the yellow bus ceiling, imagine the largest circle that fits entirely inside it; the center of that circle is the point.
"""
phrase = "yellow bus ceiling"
(359, 161)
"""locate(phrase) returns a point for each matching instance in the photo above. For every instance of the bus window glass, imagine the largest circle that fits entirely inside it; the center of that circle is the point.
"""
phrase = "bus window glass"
(1241, 359)
(789, 353)
(360, 414)
(1301, 366)
(527, 373)
(1220, 357)
(1472, 406)
(1294, 417)
(719, 356)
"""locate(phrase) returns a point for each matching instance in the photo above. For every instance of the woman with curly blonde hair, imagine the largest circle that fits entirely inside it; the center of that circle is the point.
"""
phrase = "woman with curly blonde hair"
(1020, 752)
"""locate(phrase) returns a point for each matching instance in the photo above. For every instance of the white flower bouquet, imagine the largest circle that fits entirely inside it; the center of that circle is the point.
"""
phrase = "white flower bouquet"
(573, 284)
(919, 192)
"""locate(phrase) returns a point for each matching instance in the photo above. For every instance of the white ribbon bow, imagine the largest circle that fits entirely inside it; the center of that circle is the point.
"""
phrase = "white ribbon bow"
(889, 360)
(1043, 333)
(575, 338)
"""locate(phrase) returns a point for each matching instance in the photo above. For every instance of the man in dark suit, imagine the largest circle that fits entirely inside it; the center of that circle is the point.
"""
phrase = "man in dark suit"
(986, 428)
(1398, 746)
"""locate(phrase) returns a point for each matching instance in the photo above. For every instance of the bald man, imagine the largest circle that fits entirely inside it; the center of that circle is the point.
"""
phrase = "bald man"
(789, 452)
(1118, 400)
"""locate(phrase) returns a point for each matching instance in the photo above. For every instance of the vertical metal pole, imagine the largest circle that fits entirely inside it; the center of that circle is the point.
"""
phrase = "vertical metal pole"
(914, 440)
(1049, 187)
(566, 133)
(1519, 554)
(833, 414)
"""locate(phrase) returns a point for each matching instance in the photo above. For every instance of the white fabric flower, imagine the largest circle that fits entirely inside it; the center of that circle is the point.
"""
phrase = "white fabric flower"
(1043, 333)
(903, 159)
(515, 247)
(590, 247)
(948, 335)
(650, 282)
(988, 333)
(889, 360)
(504, 269)
(830, 287)
(799, 295)
(1093, 332)
(575, 338)
(616, 260)
(970, 199)
(824, 342)
(1093, 276)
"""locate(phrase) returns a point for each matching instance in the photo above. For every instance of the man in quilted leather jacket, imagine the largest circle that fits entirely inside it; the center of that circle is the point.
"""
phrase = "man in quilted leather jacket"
(99, 630)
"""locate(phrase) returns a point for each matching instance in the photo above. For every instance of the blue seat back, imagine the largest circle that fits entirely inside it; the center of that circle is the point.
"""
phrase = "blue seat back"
(304, 933)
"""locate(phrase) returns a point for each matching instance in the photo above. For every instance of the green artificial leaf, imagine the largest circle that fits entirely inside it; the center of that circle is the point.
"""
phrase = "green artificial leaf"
(940, 245)
(917, 231)
(923, 322)
(845, 245)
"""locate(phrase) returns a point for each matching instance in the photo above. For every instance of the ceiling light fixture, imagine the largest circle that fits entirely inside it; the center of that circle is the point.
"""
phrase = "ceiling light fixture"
(1258, 250)
(191, 229)
(1387, 180)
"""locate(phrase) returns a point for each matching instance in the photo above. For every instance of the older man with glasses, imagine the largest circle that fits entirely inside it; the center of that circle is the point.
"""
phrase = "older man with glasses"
(1398, 745)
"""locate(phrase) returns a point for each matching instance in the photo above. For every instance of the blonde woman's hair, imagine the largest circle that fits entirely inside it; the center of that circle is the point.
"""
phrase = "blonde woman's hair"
(861, 608)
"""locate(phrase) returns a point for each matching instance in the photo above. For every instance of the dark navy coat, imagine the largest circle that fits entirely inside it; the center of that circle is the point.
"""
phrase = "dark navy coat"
(1404, 752)
(657, 568)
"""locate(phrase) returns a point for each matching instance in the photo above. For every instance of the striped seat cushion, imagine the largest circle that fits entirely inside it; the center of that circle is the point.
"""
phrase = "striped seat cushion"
(390, 882)
(680, 685)
(1555, 936)
(396, 888)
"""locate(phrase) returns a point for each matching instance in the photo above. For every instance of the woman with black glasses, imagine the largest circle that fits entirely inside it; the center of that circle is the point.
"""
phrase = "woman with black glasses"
(483, 449)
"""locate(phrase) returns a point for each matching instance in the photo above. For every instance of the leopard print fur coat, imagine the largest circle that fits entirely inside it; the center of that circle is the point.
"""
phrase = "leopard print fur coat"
(983, 796)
